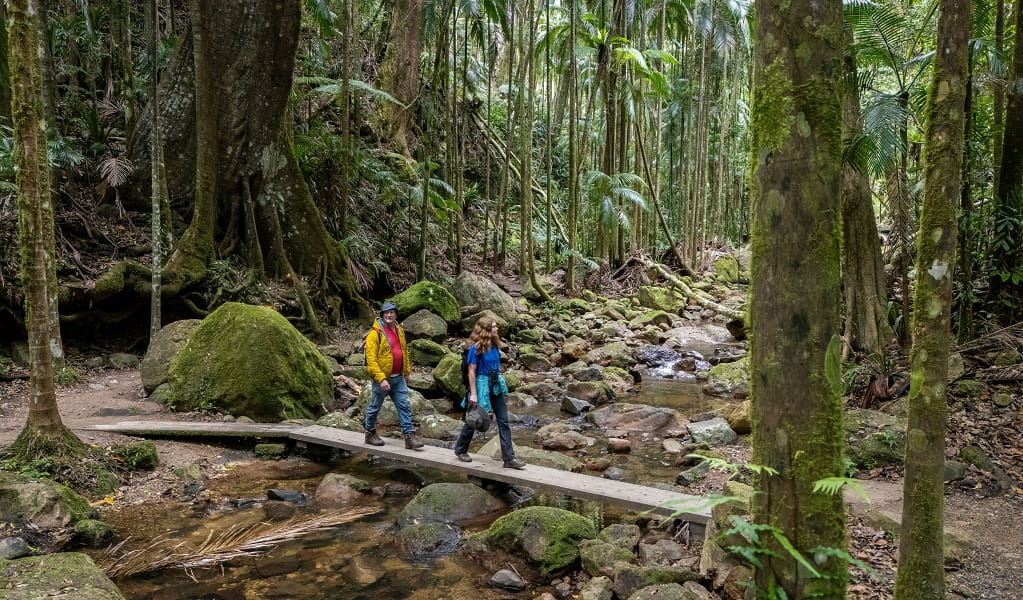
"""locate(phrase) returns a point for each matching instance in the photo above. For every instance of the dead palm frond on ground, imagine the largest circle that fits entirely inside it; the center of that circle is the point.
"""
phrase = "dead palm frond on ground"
(236, 542)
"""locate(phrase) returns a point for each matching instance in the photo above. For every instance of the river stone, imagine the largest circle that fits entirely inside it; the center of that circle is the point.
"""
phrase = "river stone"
(954, 470)
(661, 552)
(469, 323)
(737, 415)
(615, 354)
(250, 360)
(520, 400)
(597, 588)
(419, 541)
(448, 375)
(614, 474)
(388, 415)
(155, 367)
(623, 535)
(636, 418)
(448, 503)
(1001, 399)
(532, 456)
(661, 298)
(726, 379)
(542, 391)
(595, 392)
(338, 420)
(93, 533)
(656, 318)
(62, 575)
(663, 591)
(439, 427)
(482, 293)
(13, 547)
(337, 489)
(427, 352)
(619, 445)
(726, 269)
(138, 456)
(530, 293)
(561, 439)
(715, 432)
(123, 360)
(631, 578)
(431, 296)
(545, 535)
(276, 510)
(43, 503)
(574, 347)
(598, 558)
(535, 362)
(423, 324)
(575, 406)
(619, 379)
(968, 388)
(506, 579)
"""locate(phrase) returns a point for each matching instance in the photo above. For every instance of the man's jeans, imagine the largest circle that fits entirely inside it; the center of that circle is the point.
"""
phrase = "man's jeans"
(399, 394)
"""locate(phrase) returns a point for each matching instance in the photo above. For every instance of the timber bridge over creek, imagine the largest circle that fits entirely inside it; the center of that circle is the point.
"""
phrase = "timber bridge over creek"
(692, 509)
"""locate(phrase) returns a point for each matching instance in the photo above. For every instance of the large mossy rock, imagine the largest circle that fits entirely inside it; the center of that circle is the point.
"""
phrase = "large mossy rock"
(479, 293)
(533, 456)
(423, 324)
(249, 360)
(615, 354)
(431, 296)
(426, 352)
(63, 575)
(155, 368)
(661, 298)
(43, 503)
(448, 503)
(874, 439)
(448, 375)
(726, 379)
(547, 536)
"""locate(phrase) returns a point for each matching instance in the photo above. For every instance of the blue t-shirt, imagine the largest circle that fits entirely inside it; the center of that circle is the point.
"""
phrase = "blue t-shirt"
(489, 361)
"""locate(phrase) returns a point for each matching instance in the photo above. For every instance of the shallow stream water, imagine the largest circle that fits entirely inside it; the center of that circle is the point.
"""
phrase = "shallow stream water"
(360, 560)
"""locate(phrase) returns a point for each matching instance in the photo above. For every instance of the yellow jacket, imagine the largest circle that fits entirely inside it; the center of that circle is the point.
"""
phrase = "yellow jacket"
(379, 359)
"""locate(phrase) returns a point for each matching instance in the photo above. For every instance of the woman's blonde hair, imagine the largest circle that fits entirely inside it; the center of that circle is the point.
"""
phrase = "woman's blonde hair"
(485, 335)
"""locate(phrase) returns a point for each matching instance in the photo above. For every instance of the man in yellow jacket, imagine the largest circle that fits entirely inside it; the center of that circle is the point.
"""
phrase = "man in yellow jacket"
(387, 362)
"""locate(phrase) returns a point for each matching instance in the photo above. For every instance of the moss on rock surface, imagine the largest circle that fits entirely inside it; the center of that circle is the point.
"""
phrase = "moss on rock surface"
(448, 503)
(548, 536)
(431, 296)
(249, 360)
(63, 575)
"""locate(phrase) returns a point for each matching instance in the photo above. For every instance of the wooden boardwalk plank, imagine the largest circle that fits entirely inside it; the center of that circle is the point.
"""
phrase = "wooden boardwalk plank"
(576, 485)
(274, 430)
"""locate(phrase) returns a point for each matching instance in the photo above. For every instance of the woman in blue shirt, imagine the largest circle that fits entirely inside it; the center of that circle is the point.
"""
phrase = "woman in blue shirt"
(488, 388)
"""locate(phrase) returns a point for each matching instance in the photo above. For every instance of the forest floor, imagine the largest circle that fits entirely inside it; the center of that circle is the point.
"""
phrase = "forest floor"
(985, 526)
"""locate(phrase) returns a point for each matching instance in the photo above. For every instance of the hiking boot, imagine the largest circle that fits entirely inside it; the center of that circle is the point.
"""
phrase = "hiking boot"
(514, 464)
(413, 443)
(463, 457)
(373, 439)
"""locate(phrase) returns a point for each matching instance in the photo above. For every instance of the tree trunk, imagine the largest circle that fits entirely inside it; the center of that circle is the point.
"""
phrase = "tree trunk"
(5, 69)
(921, 574)
(1007, 247)
(399, 73)
(866, 315)
(228, 140)
(797, 148)
(44, 433)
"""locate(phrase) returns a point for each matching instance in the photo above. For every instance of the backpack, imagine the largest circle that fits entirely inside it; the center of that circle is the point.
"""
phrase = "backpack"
(465, 369)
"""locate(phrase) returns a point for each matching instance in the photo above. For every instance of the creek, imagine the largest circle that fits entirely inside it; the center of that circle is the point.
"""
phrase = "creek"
(360, 560)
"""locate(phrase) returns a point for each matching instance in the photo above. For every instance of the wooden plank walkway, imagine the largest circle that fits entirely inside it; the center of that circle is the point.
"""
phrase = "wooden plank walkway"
(576, 485)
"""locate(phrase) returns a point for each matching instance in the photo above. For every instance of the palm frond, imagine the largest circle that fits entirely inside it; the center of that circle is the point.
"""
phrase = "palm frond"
(115, 170)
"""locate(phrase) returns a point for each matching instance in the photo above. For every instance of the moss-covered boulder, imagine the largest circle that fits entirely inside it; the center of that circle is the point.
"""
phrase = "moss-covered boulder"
(388, 415)
(63, 575)
(93, 533)
(615, 354)
(532, 294)
(420, 541)
(656, 318)
(155, 368)
(661, 298)
(44, 503)
(439, 427)
(595, 392)
(478, 293)
(629, 579)
(727, 379)
(249, 360)
(338, 420)
(547, 536)
(599, 557)
(423, 324)
(503, 326)
(874, 439)
(448, 375)
(448, 503)
(139, 456)
(427, 352)
(533, 456)
(726, 269)
(431, 296)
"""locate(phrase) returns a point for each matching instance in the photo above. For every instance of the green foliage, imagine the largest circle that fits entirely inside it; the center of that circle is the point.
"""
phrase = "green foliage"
(834, 485)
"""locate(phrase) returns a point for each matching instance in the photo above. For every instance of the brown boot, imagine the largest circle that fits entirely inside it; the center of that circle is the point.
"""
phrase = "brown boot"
(373, 439)
(413, 443)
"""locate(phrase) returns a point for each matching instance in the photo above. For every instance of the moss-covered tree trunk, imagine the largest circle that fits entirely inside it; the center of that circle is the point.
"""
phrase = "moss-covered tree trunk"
(921, 574)
(1007, 246)
(866, 316)
(399, 72)
(797, 414)
(44, 433)
(5, 70)
(233, 140)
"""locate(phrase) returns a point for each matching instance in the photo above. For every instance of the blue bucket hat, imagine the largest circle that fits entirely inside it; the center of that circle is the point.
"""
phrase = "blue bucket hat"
(388, 306)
